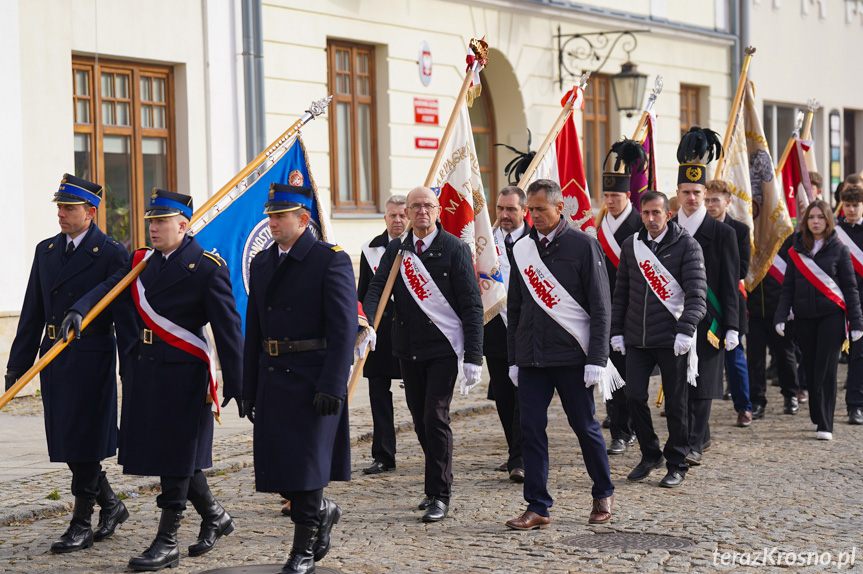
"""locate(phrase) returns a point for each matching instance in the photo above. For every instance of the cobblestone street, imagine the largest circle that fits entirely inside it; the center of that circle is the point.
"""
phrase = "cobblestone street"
(769, 485)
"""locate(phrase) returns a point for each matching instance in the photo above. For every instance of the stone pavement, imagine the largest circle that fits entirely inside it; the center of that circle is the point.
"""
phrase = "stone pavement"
(768, 486)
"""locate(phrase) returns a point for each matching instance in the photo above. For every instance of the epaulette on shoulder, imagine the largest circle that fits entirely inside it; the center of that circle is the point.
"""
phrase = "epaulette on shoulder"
(145, 249)
(219, 261)
(336, 248)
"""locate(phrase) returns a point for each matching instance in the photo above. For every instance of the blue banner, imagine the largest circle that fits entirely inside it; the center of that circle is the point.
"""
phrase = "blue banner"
(241, 231)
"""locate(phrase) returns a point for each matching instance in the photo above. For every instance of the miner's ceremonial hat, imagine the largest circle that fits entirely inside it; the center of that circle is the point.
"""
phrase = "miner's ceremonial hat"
(288, 198)
(697, 148)
(628, 153)
(74, 191)
(167, 203)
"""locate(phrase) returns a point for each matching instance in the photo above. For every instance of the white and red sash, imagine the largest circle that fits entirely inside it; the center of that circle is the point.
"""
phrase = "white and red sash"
(609, 244)
(429, 298)
(669, 292)
(856, 252)
(818, 277)
(777, 268)
(171, 333)
(555, 300)
(373, 255)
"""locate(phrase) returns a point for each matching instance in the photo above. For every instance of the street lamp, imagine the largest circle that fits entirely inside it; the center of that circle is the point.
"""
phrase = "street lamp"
(628, 86)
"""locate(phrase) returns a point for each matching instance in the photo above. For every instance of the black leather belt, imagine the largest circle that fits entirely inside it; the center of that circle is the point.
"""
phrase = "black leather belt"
(149, 337)
(53, 331)
(276, 348)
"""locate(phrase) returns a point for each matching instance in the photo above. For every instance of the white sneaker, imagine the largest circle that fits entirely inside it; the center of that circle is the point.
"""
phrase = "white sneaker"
(814, 427)
(824, 435)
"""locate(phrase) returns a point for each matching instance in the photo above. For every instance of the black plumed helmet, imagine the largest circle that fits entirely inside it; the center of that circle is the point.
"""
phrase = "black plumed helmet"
(628, 153)
(699, 145)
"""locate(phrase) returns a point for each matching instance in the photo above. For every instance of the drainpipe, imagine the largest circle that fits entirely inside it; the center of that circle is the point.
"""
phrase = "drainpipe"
(737, 49)
(253, 76)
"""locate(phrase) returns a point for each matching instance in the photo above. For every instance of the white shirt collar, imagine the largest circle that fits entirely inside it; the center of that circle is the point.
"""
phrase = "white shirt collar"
(659, 238)
(283, 251)
(77, 241)
(693, 222)
(427, 240)
(516, 234)
(819, 243)
(168, 254)
(615, 222)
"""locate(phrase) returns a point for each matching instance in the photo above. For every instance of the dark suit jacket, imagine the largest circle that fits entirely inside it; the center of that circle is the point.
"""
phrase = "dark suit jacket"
(744, 250)
(380, 362)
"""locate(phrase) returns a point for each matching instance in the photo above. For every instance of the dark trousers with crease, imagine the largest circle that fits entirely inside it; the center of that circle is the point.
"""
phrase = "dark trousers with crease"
(762, 335)
(506, 401)
(383, 421)
(854, 390)
(699, 423)
(429, 387)
(820, 341)
(305, 506)
(618, 409)
(176, 490)
(640, 362)
(536, 388)
(85, 478)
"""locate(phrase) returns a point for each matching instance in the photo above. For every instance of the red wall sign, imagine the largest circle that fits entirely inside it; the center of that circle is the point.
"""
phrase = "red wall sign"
(426, 111)
(426, 143)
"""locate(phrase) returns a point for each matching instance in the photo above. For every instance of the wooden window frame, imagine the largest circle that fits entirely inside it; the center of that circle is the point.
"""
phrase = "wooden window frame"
(356, 205)
(96, 131)
(491, 130)
(599, 126)
(690, 107)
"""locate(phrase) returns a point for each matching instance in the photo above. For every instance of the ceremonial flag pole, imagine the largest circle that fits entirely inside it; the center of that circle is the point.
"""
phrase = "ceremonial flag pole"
(199, 218)
(645, 114)
(735, 109)
(480, 60)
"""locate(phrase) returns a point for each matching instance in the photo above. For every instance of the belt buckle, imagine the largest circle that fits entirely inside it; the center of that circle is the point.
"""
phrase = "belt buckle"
(148, 337)
(273, 348)
(52, 332)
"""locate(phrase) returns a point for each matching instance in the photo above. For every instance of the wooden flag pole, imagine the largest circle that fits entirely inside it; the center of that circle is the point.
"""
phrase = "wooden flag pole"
(357, 371)
(735, 107)
(316, 109)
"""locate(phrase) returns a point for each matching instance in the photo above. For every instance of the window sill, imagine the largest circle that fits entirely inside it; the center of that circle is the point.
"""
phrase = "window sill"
(355, 215)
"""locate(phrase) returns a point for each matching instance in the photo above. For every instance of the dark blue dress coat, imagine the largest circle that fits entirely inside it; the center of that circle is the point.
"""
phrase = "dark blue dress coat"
(310, 295)
(166, 427)
(79, 387)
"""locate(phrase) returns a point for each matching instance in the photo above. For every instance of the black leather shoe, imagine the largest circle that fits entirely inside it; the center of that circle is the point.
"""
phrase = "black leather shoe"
(644, 468)
(436, 511)
(377, 468)
(693, 459)
(425, 503)
(215, 523)
(672, 480)
(112, 511)
(791, 406)
(606, 423)
(330, 515)
(617, 446)
(705, 446)
(301, 560)
(164, 552)
(79, 535)
(855, 416)
(757, 412)
(632, 440)
(726, 396)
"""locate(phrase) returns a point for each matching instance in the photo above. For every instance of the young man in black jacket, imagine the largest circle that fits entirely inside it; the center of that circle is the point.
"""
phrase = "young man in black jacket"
(850, 231)
(659, 299)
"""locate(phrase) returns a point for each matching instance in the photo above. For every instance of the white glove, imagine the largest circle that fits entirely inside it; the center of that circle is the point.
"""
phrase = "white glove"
(592, 375)
(618, 345)
(472, 376)
(513, 375)
(732, 339)
(791, 314)
(780, 328)
(855, 335)
(682, 344)
(368, 339)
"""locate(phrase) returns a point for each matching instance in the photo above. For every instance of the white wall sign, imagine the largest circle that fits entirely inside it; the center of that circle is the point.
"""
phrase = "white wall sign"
(425, 63)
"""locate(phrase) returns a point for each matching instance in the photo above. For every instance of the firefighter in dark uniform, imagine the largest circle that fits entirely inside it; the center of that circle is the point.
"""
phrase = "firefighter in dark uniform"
(301, 326)
(79, 388)
(166, 426)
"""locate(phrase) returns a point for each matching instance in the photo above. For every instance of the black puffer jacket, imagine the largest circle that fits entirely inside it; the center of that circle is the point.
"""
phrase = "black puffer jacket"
(535, 339)
(637, 313)
(809, 303)
(449, 262)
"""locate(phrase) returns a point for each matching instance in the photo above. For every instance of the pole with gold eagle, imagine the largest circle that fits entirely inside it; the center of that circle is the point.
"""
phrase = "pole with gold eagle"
(219, 201)
(479, 49)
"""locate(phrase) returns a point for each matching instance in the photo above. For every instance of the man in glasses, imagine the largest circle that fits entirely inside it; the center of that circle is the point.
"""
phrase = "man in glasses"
(437, 334)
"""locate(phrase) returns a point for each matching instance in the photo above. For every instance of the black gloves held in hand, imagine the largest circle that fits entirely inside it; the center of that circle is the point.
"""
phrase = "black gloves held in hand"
(239, 404)
(326, 404)
(249, 409)
(72, 321)
(12, 376)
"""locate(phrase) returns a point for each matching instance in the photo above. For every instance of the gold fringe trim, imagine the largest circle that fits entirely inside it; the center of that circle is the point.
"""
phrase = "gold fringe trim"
(755, 276)
(314, 186)
(713, 339)
(494, 311)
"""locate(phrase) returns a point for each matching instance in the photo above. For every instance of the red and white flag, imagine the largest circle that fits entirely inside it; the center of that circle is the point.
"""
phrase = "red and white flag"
(563, 164)
(795, 181)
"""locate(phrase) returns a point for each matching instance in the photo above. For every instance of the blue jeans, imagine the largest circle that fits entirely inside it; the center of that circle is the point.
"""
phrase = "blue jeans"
(738, 378)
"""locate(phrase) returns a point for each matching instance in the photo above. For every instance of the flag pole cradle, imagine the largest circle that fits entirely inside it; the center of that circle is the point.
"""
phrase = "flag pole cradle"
(317, 108)
(394, 270)
(738, 101)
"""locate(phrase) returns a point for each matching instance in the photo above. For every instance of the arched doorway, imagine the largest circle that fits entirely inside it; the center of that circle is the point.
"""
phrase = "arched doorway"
(484, 136)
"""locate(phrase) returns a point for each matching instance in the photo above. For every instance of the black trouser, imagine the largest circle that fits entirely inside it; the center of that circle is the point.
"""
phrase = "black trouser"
(763, 335)
(383, 421)
(176, 490)
(820, 341)
(639, 366)
(506, 401)
(429, 386)
(854, 390)
(618, 410)
(699, 423)
(305, 506)
(85, 478)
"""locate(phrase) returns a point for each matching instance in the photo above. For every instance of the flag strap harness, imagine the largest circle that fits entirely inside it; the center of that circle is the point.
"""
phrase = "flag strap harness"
(556, 301)
(174, 334)
(609, 244)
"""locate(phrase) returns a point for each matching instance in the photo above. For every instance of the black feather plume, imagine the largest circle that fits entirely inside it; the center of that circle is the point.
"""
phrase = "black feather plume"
(699, 144)
(518, 165)
(628, 153)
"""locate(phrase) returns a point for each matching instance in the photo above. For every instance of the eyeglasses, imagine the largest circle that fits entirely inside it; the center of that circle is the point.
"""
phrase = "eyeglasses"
(416, 207)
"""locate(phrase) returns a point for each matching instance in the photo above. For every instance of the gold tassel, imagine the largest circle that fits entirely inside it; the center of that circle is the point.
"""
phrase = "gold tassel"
(473, 93)
(846, 346)
(713, 339)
